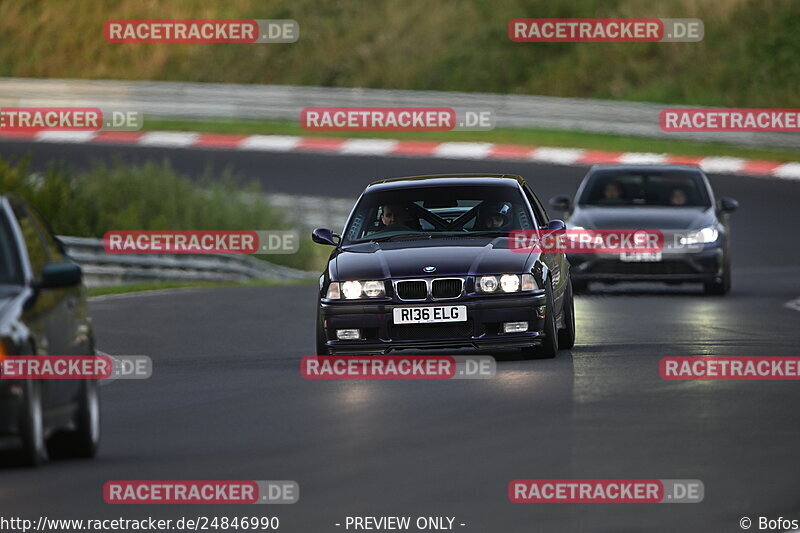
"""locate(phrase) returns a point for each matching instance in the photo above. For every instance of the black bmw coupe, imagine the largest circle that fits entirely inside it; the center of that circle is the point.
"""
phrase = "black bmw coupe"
(426, 263)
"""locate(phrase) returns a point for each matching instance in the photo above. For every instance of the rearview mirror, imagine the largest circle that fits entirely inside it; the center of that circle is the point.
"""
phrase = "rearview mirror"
(727, 205)
(63, 274)
(324, 236)
(562, 202)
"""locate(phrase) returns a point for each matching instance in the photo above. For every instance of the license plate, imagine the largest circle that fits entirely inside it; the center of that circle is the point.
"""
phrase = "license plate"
(640, 257)
(430, 315)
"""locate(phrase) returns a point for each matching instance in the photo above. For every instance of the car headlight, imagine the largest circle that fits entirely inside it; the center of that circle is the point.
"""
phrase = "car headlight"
(505, 283)
(353, 290)
(703, 236)
(509, 283)
(374, 289)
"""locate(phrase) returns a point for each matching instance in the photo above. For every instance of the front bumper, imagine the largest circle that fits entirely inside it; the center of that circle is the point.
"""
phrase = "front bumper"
(481, 331)
(701, 266)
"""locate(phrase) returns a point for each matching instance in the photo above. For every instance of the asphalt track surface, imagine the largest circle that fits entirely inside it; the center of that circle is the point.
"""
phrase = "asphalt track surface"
(226, 400)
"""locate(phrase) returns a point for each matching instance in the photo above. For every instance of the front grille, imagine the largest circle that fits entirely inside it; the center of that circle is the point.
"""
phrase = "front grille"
(412, 290)
(662, 268)
(447, 288)
(459, 330)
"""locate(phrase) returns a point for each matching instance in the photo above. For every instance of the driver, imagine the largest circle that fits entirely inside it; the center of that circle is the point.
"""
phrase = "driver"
(678, 197)
(394, 214)
(494, 216)
(613, 192)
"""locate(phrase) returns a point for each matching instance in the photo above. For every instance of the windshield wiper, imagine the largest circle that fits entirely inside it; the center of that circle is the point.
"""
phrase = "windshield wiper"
(486, 234)
(403, 237)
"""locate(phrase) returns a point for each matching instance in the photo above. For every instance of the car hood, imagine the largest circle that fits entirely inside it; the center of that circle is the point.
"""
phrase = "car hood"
(450, 257)
(642, 217)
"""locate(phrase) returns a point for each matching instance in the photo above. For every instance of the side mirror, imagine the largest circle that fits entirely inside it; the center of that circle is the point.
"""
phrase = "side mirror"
(324, 236)
(64, 274)
(562, 202)
(555, 225)
(727, 205)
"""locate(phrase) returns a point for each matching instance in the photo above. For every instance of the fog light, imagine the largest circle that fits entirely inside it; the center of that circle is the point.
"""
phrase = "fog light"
(515, 327)
(348, 334)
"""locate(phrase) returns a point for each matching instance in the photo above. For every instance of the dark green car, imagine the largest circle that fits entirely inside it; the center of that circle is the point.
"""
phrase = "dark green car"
(43, 311)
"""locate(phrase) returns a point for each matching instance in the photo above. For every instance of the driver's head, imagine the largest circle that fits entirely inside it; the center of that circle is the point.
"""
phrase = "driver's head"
(393, 214)
(494, 216)
(494, 221)
(613, 190)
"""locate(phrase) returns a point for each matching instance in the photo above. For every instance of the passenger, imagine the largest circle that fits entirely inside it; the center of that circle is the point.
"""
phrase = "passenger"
(678, 197)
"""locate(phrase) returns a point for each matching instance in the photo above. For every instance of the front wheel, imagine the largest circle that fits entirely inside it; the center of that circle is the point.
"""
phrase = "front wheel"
(549, 346)
(723, 286)
(32, 425)
(566, 336)
(84, 440)
(322, 346)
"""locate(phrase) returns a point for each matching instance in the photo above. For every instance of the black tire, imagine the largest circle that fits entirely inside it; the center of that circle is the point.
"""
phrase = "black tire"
(322, 347)
(566, 335)
(722, 287)
(31, 425)
(84, 440)
(549, 346)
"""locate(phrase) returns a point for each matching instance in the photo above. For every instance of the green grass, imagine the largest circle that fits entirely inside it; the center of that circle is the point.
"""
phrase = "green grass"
(166, 285)
(748, 57)
(149, 196)
(529, 137)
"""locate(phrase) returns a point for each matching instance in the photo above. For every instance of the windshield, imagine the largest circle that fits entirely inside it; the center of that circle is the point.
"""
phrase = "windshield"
(429, 212)
(10, 271)
(626, 188)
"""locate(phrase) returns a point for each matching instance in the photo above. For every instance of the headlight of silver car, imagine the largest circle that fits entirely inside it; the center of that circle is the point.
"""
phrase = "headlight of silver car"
(505, 283)
(353, 290)
(703, 236)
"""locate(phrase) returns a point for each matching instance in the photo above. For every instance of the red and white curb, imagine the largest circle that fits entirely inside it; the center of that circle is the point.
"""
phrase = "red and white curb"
(386, 147)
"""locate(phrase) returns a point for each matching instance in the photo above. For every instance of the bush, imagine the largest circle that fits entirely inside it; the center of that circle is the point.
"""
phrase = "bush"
(150, 196)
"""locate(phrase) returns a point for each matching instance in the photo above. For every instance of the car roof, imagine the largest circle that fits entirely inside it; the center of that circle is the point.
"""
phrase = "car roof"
(447, 180)
(644, 167)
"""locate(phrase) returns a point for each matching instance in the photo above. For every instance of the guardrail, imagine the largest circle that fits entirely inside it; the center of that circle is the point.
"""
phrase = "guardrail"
(312, 211)
(102, 269)
(283, 102)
